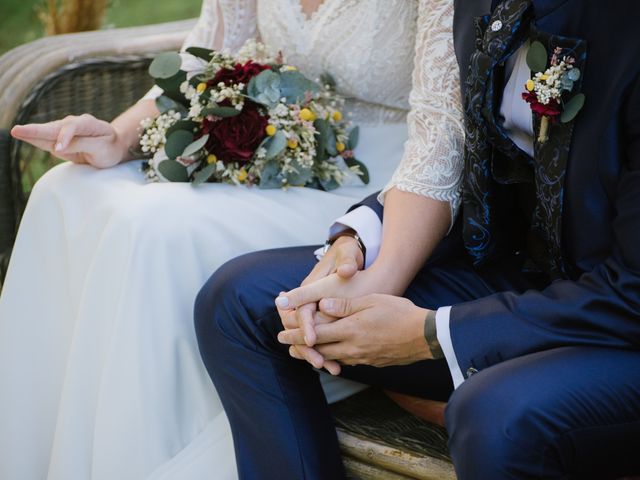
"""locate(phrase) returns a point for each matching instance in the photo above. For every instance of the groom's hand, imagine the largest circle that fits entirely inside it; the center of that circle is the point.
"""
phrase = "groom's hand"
(343, 259)
(377, 330)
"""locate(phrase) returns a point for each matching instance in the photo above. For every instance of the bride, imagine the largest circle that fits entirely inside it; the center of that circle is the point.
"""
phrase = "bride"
(99, 367)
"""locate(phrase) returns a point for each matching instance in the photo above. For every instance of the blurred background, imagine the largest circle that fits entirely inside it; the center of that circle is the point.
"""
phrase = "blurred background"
(25, 20)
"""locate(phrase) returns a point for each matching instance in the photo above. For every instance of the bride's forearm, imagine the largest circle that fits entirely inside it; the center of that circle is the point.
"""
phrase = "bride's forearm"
(127, 125)
(413, 226)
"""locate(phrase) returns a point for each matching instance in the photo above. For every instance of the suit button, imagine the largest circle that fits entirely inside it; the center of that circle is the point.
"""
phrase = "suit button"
(496, 26)
(471, 371)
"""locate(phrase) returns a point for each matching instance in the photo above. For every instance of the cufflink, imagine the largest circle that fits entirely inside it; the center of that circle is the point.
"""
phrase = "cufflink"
(471, 372)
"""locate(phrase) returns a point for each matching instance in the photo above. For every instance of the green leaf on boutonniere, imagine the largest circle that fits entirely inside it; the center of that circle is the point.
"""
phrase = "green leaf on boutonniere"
(177, 142)
(276, 145)
(204, 175)
(572, 108)
(353, 162)
(164, 104)
(165, 65)
(354, 138)
(173, 171)
(203, 53)
(194, 147)
(537, 57)
(223, 112)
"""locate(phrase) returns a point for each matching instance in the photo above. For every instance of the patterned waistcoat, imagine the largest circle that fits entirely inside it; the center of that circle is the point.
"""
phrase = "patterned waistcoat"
(494, 164)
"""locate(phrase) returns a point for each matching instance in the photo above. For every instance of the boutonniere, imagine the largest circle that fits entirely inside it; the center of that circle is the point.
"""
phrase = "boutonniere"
(549, 91)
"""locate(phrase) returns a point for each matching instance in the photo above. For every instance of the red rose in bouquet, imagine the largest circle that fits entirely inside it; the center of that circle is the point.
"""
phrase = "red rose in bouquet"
(240, 73)
(235, 139)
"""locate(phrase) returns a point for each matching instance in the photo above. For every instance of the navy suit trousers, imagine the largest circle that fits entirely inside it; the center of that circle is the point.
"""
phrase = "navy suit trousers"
(568, 412)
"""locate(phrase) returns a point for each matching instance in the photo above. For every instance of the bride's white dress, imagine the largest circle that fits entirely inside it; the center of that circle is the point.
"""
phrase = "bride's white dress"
(100, 376)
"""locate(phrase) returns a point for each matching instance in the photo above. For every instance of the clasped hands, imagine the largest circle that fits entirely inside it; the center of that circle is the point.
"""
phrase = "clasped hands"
(333, 319)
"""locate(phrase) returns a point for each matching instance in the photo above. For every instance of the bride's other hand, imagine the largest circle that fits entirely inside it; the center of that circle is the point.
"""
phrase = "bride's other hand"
(79, 139)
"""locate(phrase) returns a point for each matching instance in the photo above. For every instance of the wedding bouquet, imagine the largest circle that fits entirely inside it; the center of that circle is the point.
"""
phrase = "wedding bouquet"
(246, 119)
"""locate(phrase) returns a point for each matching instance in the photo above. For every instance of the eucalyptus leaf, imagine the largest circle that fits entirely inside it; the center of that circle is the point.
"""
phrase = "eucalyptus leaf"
(294, 86)
(203, 53)
(270, 176)
(330, 142)
(327, 79)
(329, 185)
(223, 112)
(566, 83)
(194, 147)
(300, 177)
(277, 145)
(264, 88)
(352, 162)
(187, 125)
(165, 65)
(572, 108)
(354, 138)
(537, 57)
(574, 74)
(173, 171)
(204, 175)
(322, 127)
(164, 104)
(171, 87)
(177, 142)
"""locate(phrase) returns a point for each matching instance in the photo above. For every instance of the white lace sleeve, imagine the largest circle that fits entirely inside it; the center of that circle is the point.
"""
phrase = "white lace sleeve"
(223, 25)
(433, 157)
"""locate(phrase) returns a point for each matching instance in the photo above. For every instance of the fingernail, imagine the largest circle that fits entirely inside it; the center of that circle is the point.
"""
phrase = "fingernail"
(281, 337)
(306, 340)
(58, 147)
(282, 302)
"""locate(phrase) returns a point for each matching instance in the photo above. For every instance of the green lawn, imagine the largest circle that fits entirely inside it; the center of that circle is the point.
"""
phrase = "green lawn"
(19, 22)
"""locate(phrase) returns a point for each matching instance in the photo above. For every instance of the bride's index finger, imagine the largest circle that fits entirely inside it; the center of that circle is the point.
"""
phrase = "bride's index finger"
(44, 131)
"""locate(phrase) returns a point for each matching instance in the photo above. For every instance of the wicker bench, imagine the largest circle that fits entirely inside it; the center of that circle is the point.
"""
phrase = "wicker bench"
(103, 73)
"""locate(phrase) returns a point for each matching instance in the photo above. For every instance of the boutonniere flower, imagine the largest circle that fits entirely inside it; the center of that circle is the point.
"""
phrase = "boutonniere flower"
(549, 91)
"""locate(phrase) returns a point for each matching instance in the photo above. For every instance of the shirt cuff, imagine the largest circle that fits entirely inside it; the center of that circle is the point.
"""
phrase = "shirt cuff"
(364, 221)
(444, 337)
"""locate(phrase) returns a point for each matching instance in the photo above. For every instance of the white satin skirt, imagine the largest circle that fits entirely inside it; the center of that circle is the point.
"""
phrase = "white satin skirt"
(100, 375)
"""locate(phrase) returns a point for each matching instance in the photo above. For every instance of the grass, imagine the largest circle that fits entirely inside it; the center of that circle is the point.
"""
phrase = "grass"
(19, 21)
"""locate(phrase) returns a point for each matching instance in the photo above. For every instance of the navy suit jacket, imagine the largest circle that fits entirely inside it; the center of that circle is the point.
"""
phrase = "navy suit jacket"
(600, 304)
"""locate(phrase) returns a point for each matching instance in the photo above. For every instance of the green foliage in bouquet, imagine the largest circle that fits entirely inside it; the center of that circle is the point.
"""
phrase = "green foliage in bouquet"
(247, 119)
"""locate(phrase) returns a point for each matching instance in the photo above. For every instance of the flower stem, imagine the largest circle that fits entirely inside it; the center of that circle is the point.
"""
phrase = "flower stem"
(544, 129)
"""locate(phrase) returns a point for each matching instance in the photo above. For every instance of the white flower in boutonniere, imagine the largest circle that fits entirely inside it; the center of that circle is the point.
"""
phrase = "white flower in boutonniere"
(553, 81)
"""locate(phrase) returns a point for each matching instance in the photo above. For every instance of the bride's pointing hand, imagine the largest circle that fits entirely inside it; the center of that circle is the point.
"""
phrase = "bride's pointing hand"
(79, 139)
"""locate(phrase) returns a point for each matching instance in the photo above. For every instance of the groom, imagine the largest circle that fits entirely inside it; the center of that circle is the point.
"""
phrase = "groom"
(529, 309)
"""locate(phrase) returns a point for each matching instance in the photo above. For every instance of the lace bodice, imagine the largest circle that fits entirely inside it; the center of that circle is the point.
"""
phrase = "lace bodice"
(389, 57)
